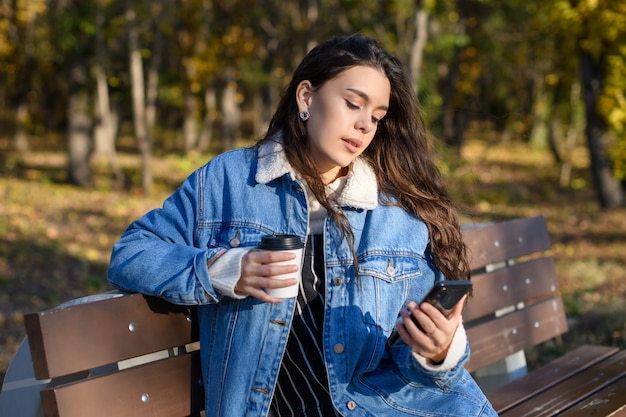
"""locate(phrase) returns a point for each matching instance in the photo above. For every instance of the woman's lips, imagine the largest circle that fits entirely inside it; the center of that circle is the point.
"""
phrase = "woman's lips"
(352, 145)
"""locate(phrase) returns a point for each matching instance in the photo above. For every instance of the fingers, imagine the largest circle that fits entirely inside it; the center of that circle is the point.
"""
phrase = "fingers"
(423, 324)
(261, 270)
(267, 258)
(427, 330)
(255, 288)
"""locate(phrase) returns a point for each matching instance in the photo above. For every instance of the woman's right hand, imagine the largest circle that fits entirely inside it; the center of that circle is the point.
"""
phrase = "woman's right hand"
(257, 269)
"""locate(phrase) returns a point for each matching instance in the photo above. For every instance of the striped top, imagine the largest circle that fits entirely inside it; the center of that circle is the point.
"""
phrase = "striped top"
(302, 388)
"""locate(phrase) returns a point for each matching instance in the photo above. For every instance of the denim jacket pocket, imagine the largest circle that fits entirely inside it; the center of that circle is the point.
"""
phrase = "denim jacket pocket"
(384, 281)
(235, 235)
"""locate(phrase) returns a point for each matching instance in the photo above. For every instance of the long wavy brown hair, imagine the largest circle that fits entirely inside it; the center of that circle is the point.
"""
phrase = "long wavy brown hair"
(401, 152)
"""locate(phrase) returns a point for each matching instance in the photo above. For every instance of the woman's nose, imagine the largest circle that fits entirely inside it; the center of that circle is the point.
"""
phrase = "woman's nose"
(364, 124)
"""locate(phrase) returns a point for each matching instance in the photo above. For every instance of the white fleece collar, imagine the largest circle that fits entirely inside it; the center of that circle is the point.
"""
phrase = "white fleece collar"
(360, 191)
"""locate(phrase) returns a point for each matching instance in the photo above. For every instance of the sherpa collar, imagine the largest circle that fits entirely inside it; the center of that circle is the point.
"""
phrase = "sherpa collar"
(360, 191)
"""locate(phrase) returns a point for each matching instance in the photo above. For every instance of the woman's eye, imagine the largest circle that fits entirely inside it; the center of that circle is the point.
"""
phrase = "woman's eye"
(351, 105)
(375, 120)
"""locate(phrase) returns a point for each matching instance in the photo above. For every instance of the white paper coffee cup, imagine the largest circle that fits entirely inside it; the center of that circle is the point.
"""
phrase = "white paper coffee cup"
(285, 243)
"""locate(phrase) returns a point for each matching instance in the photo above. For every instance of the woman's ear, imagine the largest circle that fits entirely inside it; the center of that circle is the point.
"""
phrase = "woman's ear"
(304, 93)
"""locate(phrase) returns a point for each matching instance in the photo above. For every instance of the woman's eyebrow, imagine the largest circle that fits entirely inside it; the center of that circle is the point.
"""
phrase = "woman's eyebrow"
(365, 97)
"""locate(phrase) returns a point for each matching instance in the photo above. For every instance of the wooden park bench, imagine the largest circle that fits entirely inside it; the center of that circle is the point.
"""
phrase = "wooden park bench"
(132, 355)
(517, 306)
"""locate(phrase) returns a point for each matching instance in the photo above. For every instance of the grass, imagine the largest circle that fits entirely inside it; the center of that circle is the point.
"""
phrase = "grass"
(55, 239)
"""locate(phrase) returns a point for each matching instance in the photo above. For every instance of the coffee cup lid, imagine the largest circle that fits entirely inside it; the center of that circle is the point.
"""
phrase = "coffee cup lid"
(281, 242)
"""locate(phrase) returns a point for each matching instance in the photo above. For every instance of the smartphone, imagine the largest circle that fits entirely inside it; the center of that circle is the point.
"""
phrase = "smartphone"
(446, 294)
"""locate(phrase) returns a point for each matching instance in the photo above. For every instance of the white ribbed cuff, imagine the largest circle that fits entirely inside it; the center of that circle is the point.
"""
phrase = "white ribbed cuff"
(454, 356)
(226, 271)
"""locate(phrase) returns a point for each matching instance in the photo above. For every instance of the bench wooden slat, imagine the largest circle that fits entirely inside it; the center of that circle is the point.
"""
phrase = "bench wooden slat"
(508, 286)
(497, 242)
(499, 338)
(573, 390)
(77, 338)
(603, 403)
(548, 375)
(160, 388)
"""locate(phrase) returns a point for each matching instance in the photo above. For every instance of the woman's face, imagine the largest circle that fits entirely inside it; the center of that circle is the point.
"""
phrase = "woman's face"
(345, 112)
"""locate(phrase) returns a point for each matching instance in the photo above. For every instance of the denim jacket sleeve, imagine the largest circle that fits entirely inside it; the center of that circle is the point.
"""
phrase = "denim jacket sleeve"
(159, 254)
(414, 370)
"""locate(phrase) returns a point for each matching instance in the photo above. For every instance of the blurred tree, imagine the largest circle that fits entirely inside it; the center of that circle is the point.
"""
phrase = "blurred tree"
(19, 41)
(75, 42)
(193, 68)
(107, 120)
(138, 89)
(457, 81)
(595, 32)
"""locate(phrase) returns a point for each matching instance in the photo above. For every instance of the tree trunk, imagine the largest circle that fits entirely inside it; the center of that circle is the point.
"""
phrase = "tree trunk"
(20, 137)
(105, 130)
(210, 111)
(106, 124)
(190, 125)
(451, 119)
(259, 124)
(555, 129)
(419, 43)
(79, 124)
(22, 59)
(609, 190)
(231, 114)
(312, 15)
(271, 93)
(138, 91)
(571, 137)
(159, 11)
(107, 121)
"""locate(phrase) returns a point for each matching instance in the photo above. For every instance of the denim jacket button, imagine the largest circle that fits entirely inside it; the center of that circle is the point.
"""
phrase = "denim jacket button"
(338, 348)
(390, 269)
(351, 405)
(338, 281)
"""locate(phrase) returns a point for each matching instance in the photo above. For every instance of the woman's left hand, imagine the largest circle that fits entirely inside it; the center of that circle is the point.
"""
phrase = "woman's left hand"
(428, 331)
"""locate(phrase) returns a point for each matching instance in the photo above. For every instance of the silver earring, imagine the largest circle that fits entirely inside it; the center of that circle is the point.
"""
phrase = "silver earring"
(304, 115)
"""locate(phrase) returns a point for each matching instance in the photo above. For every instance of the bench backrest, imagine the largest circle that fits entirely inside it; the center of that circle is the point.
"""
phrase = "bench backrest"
(516, 303)
(125, 356)
(133, 355)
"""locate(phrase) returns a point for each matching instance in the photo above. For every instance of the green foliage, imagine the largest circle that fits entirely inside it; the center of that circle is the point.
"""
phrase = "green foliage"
(599, 28)
(509, 64)
(606, 39)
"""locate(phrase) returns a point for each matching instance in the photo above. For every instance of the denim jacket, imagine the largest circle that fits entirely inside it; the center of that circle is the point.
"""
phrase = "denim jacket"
(232, 202)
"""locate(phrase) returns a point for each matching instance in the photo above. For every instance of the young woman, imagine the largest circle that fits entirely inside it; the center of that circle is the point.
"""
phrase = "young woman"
(346, 165)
